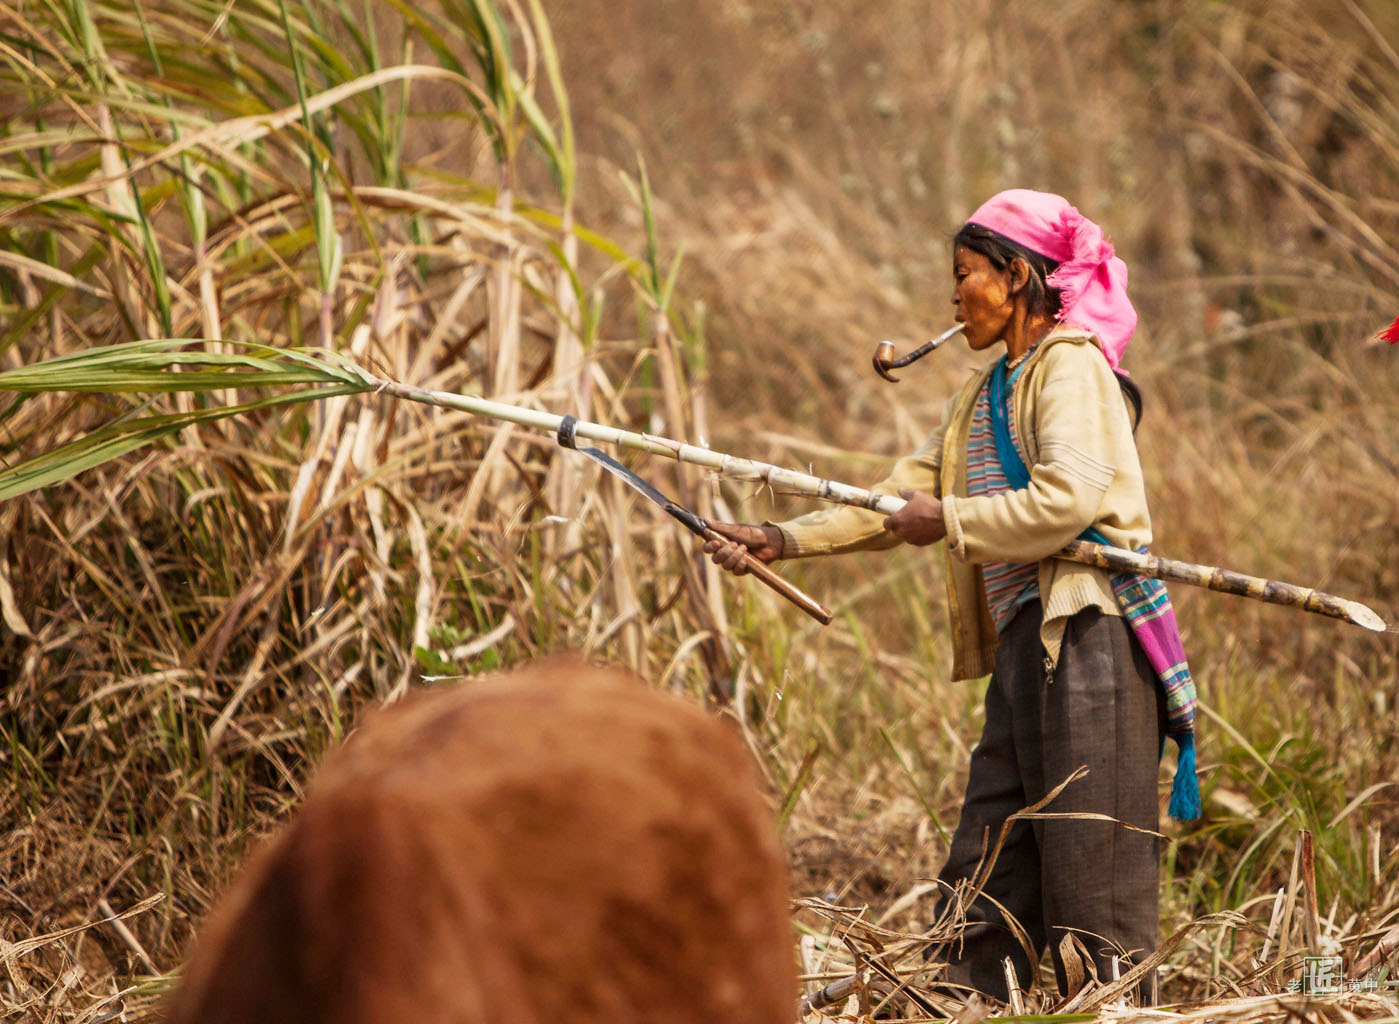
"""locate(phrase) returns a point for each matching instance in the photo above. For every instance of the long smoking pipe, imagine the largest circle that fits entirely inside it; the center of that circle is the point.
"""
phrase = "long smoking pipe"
(884, 360)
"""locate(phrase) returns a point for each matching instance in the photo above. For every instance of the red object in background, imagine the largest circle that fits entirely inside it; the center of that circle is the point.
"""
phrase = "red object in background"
(1391, 334)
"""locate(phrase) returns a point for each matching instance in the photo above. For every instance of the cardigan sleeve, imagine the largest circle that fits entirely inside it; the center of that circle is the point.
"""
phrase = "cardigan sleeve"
(840, 528)
(1079, 417)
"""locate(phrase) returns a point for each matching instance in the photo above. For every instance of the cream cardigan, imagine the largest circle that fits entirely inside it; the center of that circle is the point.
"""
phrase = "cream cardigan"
(1075, 435)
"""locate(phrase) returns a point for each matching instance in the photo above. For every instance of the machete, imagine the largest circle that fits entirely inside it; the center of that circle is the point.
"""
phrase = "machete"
(691, 521)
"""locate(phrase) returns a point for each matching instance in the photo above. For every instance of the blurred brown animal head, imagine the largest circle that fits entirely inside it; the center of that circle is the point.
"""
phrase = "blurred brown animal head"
(560, 844)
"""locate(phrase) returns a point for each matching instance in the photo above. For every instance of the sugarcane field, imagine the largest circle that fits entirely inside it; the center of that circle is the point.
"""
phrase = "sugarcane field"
(596, 513)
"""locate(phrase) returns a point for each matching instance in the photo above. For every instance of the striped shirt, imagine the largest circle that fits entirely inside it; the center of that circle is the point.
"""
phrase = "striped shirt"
(1008, 584)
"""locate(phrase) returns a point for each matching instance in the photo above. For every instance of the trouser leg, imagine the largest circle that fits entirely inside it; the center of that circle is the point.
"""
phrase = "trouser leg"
(995, 790)
(1102, 709)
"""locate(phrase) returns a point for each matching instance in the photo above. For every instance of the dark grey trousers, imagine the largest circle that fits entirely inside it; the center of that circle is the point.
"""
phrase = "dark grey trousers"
(1101, 708)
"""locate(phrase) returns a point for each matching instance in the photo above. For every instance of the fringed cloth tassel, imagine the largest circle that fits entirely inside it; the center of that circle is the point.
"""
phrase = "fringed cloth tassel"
(1185, 791)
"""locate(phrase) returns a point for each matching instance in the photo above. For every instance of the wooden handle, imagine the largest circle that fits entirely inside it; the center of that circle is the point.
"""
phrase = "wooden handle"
(759, 569)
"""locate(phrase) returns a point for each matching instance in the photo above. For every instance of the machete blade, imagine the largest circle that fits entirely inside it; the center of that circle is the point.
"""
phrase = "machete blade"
(692, 522)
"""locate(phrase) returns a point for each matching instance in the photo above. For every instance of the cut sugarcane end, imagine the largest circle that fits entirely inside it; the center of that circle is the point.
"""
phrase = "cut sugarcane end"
(1362, 615)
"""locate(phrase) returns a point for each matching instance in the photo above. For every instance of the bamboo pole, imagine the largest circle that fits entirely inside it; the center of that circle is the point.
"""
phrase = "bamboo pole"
(790, 481)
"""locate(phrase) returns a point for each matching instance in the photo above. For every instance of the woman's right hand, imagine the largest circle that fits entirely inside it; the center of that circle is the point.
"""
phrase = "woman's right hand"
(762, 542)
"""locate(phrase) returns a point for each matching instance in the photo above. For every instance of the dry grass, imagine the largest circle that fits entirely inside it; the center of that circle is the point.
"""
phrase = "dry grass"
(187, 630)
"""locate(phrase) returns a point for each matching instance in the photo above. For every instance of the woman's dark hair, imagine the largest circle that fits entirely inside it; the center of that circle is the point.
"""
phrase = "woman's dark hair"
(1000, 250)
(1132, 395)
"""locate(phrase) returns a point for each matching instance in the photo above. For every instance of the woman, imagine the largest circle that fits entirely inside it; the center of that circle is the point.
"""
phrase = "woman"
(1035, 451)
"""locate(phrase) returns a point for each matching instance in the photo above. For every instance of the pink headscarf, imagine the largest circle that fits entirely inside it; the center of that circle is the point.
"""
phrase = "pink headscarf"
(1091, 280)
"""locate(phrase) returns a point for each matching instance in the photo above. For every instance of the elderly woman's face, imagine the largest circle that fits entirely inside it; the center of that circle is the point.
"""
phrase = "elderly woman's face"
(982, 297)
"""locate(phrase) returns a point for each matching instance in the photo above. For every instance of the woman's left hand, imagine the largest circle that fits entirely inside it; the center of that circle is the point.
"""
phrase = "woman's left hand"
(920, 521)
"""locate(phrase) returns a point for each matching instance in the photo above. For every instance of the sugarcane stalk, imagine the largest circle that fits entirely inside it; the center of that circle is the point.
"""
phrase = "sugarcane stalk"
(1385, 948)
(1224, 581)
(790, 481)
(785, 480)
(837, 991)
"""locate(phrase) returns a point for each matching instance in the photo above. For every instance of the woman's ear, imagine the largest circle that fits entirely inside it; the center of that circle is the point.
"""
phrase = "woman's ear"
(1019, 272)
